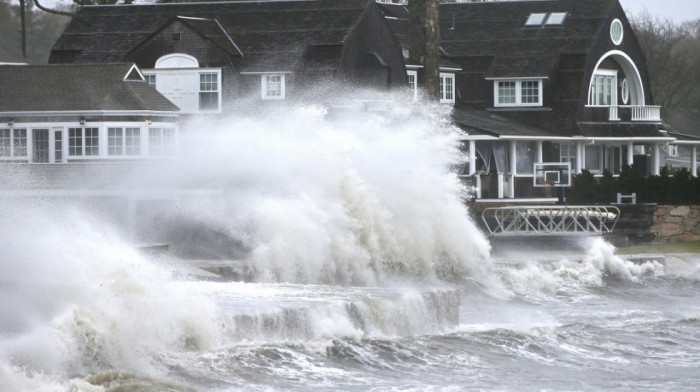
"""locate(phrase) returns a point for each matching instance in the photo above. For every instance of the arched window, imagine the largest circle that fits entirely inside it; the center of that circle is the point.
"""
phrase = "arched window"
(177, 60)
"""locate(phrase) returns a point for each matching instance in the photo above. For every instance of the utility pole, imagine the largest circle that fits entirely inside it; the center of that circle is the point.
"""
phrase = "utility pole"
(24, 29)
(424, 40)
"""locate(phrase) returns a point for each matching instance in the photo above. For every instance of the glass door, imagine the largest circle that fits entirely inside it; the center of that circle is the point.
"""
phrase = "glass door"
(40, 145)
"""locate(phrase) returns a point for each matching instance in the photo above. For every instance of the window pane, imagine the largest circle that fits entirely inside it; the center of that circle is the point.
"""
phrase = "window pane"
(132, 139)
(530, 92)
(168, 141)
(273, 85)
(593, 158)
(151, 79)
(525, 157)
(115, 141)
(92, 142)
(209, 101)
(75, 141)
(535, 20)
(506, 93)
(556, 18)
(154, 141)
(58, 146)
(5, 143)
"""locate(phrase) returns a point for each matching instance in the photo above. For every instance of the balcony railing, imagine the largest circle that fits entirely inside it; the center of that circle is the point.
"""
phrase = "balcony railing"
(624, 113)
(646, 113)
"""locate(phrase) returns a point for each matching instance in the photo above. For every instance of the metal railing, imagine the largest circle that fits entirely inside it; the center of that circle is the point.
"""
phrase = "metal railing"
(550, 220)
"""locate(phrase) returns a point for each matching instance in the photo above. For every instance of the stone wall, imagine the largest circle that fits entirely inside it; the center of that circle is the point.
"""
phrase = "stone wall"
(676, 223)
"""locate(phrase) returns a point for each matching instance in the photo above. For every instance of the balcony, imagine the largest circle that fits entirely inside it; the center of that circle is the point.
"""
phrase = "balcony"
(624, 113)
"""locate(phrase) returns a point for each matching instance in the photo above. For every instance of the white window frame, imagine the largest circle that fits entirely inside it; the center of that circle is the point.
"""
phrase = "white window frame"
(151, 79)
(518, 93)
(443, 91)
(83, 147)
(570, 155)
(413, 86)
(613, 30)
(123, 147)
(157, 149)
(13, 140)
(593, 94)
(217, 91)
(263, 86)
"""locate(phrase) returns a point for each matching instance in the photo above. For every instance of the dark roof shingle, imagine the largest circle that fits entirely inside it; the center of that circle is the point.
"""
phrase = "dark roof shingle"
(76, 87)
(261, 30)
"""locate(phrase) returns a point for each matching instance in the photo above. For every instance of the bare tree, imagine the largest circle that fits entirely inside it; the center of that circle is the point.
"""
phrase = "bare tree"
(672, 53)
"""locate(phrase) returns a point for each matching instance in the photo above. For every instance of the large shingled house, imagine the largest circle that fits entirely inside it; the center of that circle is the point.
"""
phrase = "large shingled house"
(206, 57)
(544, 81)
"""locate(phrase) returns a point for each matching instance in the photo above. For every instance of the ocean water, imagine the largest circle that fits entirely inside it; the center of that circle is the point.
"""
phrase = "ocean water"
(365, 273)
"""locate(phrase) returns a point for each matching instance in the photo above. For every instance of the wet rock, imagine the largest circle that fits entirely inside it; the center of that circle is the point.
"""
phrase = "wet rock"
(680, 211)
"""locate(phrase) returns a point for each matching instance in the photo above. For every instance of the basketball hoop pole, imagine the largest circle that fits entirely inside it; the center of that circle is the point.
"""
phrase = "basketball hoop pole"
(561, 195)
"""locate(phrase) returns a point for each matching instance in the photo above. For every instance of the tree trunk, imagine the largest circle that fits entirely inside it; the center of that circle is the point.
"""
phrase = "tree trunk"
(424, 41)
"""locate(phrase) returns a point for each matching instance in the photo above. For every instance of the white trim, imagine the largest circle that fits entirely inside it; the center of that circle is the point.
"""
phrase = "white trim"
(625, 91)
(414, 67)
(687, 142)
(614, 23)
(443, 92)
(57, 113)
(266, 72)
(263, 87)
(170, 56)
(632, 67)
(133, 66)
(450, 69)
(519, 78)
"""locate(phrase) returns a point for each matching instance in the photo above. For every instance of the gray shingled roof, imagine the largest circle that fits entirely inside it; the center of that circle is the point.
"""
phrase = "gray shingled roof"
(482, 122)
(266, 32)
(76, 87)
(497, 30)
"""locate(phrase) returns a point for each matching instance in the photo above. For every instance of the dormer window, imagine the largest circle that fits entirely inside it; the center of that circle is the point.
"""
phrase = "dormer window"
(546, 19)
(517, 93)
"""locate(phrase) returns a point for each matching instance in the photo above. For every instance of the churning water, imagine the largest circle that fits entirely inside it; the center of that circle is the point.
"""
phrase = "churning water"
(366, 274)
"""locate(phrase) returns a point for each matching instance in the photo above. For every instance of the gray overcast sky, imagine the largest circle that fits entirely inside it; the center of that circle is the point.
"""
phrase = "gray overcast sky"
(676, 10)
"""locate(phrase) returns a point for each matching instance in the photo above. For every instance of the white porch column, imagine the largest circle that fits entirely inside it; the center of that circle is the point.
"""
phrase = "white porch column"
(472, 157)
(655, 161)
(579, 157)
(694, 160)
(539, 151)
(478, 186)
(513, 158)
(630, 153)
(500, 185)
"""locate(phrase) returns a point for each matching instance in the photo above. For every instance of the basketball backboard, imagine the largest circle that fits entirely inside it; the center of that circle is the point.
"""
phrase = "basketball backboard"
(552, 174)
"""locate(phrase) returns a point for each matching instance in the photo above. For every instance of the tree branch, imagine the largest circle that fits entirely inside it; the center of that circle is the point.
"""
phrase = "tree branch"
(52, 11)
